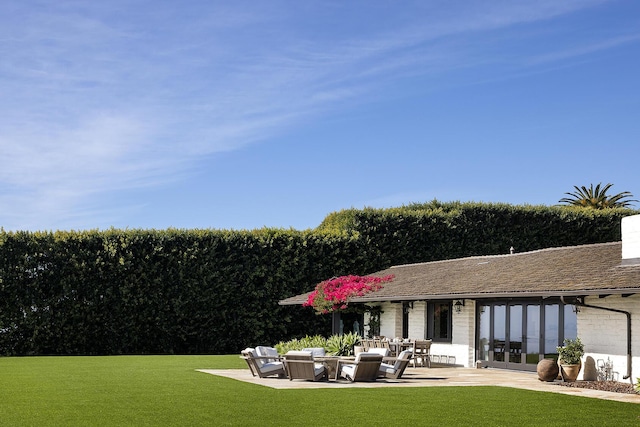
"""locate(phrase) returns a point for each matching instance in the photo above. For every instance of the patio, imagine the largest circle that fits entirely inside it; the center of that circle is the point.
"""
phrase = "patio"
(433, 377)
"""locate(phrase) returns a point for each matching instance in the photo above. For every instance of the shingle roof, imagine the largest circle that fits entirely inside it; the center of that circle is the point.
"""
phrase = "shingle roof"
(576, 270)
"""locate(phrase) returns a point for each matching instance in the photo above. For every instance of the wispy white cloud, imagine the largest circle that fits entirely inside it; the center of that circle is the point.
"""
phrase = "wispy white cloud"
(583, 50)
(112, 96)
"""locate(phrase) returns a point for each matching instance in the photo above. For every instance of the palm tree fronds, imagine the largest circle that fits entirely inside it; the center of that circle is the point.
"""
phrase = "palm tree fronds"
(597, 198)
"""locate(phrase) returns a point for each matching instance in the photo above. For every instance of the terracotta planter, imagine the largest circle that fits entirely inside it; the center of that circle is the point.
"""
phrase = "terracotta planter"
(570, 372)
(547, 370)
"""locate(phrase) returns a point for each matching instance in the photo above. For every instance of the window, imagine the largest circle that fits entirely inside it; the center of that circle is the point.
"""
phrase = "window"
(439, 321)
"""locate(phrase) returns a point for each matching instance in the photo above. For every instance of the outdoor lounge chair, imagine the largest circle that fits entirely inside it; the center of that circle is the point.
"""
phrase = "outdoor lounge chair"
(263, 366)
(365, 368)
(300, 365)
(396, 370)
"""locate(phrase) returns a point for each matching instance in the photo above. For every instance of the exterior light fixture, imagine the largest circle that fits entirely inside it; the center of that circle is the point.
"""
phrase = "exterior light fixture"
(458, 305)
(576, 309)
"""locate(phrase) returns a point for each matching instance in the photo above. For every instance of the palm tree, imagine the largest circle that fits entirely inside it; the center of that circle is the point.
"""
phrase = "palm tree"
(597, 198)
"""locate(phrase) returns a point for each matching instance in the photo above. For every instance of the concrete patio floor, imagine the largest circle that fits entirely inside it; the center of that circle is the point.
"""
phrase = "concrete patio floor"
(434, 377)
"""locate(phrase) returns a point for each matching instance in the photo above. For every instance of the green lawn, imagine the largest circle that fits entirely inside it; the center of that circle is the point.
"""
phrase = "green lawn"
(166, 390)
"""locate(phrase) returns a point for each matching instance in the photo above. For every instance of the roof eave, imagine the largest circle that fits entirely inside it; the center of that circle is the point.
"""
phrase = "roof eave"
(485, 295)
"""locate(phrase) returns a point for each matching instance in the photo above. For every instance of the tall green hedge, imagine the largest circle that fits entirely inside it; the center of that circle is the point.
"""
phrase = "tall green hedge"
(435, 230)
(208, 291)
(171, 291)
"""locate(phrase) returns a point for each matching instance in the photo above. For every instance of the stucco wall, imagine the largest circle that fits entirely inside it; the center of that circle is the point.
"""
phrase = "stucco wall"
(604, 334)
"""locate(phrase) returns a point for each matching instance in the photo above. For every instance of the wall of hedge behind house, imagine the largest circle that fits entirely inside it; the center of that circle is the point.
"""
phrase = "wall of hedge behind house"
(140, 292)
(435, 231)
(208, 291)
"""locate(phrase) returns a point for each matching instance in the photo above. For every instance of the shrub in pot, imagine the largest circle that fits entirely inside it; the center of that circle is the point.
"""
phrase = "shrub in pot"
(570, 358)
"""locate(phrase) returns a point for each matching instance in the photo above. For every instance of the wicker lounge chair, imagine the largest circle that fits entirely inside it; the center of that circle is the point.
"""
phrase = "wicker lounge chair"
(396, 370)
(300, 365)
(364, 368)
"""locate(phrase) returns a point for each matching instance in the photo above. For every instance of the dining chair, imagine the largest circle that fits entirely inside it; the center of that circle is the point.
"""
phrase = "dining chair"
(421, 352)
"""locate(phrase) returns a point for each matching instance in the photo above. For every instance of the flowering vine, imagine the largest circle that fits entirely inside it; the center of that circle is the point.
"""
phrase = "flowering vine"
(333, 295)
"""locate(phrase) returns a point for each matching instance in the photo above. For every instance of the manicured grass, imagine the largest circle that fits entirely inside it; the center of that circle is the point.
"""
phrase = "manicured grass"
(166, 390)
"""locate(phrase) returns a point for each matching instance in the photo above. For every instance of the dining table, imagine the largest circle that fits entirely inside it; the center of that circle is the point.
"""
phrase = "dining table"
(397, 347)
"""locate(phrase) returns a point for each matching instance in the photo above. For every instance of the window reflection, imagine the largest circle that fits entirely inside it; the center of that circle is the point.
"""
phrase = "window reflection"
(551, 331)
(570, 323)
(484, 332)
(439, 321)
(533, 334)
(499, 332)
(515, 334)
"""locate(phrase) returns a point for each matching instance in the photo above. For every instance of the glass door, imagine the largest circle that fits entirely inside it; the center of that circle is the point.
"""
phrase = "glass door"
(507, 337)
(518, 334)
(499, 333)
(532, 337)
(514, 342)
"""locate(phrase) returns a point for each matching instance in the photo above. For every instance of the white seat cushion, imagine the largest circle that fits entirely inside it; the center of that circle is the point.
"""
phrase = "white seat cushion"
(380, 350)
(270, 367)
(387, 369)
(264, 351)
(316, 351)
(348, 371)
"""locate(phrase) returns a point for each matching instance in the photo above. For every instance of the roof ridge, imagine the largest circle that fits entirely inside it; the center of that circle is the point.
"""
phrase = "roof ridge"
(555, 248)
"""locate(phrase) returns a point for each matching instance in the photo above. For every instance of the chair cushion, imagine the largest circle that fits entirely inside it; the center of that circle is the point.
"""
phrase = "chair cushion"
(380, 350)
(316, 351)
(348, 371)
(385, 368)
(271, 367)
(264, 351)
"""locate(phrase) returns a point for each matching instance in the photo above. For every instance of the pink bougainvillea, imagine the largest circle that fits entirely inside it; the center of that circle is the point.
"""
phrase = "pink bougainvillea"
(332, 295)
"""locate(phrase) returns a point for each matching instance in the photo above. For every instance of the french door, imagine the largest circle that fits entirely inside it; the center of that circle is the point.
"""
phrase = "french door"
(518, 334)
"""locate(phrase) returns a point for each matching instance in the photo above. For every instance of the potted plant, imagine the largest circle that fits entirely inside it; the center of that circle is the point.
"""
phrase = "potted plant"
(570, 358)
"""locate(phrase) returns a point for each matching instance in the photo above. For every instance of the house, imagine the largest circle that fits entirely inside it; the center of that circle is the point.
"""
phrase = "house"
(511, 311)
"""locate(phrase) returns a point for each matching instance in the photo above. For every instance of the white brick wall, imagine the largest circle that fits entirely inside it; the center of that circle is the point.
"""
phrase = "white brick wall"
(417, 320)
(391, 320)
(604, 333)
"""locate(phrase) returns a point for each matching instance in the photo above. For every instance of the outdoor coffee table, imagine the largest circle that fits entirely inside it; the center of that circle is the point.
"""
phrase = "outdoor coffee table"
(332, 363)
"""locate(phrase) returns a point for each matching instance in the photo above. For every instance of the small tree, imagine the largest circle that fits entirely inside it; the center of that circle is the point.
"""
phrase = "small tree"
(597, 198)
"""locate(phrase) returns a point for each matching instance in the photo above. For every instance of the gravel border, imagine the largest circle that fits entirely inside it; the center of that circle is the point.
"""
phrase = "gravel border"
(613, 386)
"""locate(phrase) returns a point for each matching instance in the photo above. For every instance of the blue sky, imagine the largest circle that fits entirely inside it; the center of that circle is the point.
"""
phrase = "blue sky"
(244, 114)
